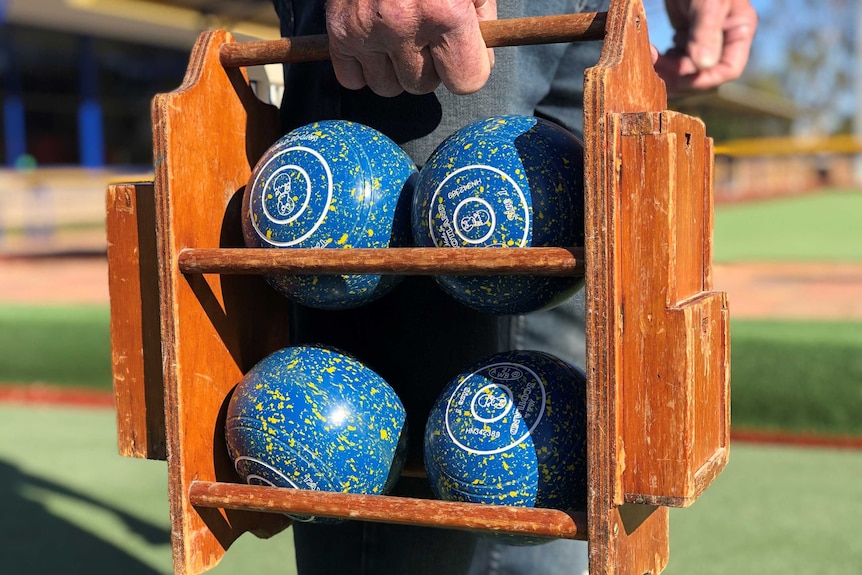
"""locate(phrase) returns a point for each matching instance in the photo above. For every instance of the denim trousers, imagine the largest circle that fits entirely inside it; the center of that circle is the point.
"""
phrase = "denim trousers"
(417, 338)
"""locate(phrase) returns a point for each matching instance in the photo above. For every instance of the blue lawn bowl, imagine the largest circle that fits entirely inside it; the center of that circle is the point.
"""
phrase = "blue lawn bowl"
(332, 184)
(511, 430)
(504, 182)
(312, 417)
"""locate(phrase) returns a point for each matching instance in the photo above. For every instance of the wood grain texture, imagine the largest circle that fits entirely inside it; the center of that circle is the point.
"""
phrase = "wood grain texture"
(401, 261)
(622, 81)
(207, 134)
(651, 311)
(497, 33)
(135, 336)
(401, 510)
(675, 359)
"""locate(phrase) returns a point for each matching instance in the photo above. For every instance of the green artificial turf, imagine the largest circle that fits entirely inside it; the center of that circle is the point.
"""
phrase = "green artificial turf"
(801, 376)
(818, 227)
(58, 345)
(73, 505)
(774, 511)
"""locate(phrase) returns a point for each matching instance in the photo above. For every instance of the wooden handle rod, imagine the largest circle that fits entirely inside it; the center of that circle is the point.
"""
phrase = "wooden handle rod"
(391, 261)
(388, 509)
(497, 33)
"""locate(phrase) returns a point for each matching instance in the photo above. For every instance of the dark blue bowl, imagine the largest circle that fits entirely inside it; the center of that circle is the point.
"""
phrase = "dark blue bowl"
(504, 182)
(511, 430)
(310, 417)
(333, 184)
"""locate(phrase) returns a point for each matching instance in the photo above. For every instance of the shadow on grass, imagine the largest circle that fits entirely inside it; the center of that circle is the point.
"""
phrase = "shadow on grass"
(35, 540)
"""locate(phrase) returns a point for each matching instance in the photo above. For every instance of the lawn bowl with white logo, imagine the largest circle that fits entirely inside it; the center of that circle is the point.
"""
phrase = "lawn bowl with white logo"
(312, 417)
(504, 182)
(332, 184)
(511, 430)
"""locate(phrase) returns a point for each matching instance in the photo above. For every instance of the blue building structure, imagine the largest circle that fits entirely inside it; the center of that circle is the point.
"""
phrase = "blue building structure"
(76, 85)
(72, 99)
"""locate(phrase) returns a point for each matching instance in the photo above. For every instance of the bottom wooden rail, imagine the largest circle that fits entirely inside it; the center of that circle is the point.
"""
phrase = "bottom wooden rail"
(387, 509)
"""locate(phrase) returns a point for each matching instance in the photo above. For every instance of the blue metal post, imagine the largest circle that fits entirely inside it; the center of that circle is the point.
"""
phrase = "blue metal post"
(14, 122)
(91, 140)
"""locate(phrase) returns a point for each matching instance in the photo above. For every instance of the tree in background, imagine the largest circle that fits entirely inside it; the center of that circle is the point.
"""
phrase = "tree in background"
(806, 50)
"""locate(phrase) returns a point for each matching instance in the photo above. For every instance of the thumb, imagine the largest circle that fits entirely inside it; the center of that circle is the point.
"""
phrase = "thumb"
(706, 33)
(486, 9)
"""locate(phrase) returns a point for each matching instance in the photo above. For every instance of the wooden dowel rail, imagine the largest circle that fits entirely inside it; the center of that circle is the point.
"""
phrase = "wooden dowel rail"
(399, 261)
(497, 33)
(381, 508)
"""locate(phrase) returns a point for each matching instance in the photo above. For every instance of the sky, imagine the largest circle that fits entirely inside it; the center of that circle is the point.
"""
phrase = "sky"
(781, 23)
(659, 28)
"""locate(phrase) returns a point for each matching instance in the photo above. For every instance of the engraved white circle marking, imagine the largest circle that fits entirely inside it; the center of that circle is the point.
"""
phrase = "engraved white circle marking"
(260, 479)
(285, 188)
(486, 400)
(537, 382)
(323, 211)
(433, 201)
(474, 218)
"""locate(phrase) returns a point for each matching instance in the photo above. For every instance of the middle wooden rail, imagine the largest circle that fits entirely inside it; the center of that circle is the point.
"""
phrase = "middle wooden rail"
(393, 261)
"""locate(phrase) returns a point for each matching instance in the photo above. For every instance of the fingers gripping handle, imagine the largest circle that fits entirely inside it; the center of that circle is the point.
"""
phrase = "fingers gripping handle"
(497, 33)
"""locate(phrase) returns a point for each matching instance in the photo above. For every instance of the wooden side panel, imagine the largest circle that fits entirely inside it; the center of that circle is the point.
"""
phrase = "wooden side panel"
(706, 321)
(674, 363)
(208, 134)
(136, 353)
(687, 205)
(708, 210)
(648, 349)
(624, 539)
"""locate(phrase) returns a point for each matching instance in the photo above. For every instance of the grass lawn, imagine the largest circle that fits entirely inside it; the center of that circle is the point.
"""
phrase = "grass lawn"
(72, 505)
(59, 345)
(774, 510)
(786, 375)
(819, 227)
(797, 376)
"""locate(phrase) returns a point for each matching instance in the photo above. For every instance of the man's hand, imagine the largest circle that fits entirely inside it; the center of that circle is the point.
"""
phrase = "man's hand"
(711, 45)
(393, 46)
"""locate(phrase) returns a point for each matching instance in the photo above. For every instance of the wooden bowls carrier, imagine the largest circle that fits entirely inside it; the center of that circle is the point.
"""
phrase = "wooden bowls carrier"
(190, 311)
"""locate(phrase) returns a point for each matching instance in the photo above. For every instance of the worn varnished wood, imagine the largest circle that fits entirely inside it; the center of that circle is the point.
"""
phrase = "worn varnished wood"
(622, 81)
(136, 358)
(207, 135)
(674, 333)
(496, 33)
(402, 261)
(402, 510)
(649, 311)
(217, 317)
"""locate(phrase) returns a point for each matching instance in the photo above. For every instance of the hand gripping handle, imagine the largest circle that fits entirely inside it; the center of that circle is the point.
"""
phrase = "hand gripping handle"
(497, 33)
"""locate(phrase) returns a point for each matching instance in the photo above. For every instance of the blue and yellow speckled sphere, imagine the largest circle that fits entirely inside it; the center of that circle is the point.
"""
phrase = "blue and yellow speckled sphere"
(332, 184)
(506, 181)
(511, 430)
(312, 417)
